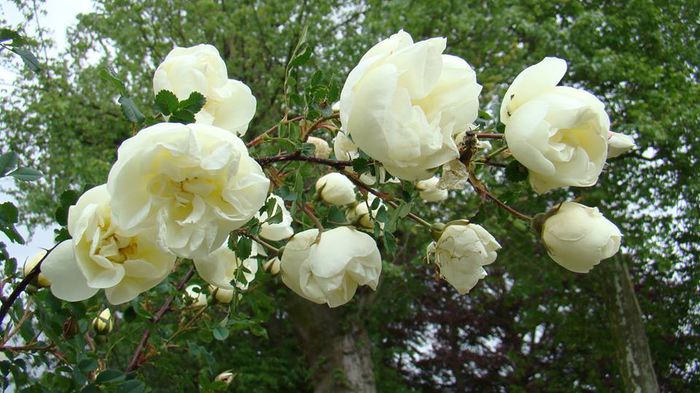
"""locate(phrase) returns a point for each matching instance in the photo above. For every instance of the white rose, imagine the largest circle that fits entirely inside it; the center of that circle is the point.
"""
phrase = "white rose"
(402, 103)
(196, 182)
(230, 104)
(559, 133)
(330, 270)
(221, 295)
(272, 266)
(103, 256)
(225, 377)
(336, 189)
(429, 190)
(277, 231)
(460, 253)
(619, 144)
(322, 149)
(360, 215)
(103, 322)
(221, 267)
(578, 237)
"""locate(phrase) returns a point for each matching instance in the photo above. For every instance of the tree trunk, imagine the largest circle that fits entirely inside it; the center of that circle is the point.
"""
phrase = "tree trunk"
(336, 347)
(632, 346)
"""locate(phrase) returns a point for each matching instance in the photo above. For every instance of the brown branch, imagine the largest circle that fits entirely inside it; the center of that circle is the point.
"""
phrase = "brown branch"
(258, 139)
(6, 304)
(481, 189)
(136, 357)
(486, 135)
(312, 216)
(318, 124)
(381, 195)
(296, 156)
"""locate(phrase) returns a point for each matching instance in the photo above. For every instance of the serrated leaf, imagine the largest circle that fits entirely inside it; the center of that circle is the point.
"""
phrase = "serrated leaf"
(244, 246)
(130, 111)
(8, 218)
(194, 103)
(26, 174)
(8, 162)
(302, 58)
(182, 116)
(360, 165)
(389, 242)
(132, 386)
(108, 75)
(28, 58)
(166, 102)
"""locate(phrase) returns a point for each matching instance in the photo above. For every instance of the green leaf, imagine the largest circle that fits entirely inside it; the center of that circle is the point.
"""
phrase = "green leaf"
(132, 386)
(302, 58)
(131, 112)
(26, 174)
(220, 333)
(308, 149)
(8, 162)
(389, 242)
(111, 77)
(67, 198)
(194, 103)
(360, 165)
(516, 172)
(244, 245)
(485, 115)
(87, 365)
(110, 375)
(166, 102)
(28, 58)
(9, 34)
(8, 218)
(182, 116)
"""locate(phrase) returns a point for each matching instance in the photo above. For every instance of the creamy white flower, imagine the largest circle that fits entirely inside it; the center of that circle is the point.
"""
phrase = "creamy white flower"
(29, 265)
(225, 377)
(619, 144)
(230, 104)
(460, 254)
(559, 133)
(336, 189)
(101, 255)
(196, 296)
(196, 182)
(322, 149)
(430, 191)
(276, 231)
(360, 214)
(272, 266)
(402, 103)
(578, 237)
(220, 267)
(330, 270)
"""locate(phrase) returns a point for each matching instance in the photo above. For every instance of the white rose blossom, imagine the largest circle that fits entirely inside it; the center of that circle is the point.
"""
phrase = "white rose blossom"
(29, 265)
(460, 254)
(220, 267)
(230, 104)
(619, 144)
(280, 230)
(322, 149)
(559, 133)
(196, 182)
(102, 256)
(195, 295)
(578, 237)
(430, 191)
(336, 189)
(360, 214)
(403, 102)
(330, 270)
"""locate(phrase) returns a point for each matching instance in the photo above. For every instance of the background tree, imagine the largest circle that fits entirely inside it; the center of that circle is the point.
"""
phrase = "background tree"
(530, 325)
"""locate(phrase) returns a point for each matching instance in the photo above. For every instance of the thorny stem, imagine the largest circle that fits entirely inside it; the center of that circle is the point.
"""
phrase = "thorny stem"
(136, 357)
(480, 188)
(6, 304)
(258, 139)
(486, 135)
(312, 216)
(317, 124)
(258, 239)
(296, 156)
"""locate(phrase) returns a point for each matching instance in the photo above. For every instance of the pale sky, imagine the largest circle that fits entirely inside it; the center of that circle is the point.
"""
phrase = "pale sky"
(60, 15)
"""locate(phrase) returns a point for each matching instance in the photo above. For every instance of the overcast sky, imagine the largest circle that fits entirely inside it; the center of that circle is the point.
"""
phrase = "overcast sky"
(60, 15)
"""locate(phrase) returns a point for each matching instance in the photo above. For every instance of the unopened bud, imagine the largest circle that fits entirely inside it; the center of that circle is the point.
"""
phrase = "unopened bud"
(195, 296)
(30, 263)
(322, 150)
(103, 323)
(221, 295)
(225, 377)
(272, 266)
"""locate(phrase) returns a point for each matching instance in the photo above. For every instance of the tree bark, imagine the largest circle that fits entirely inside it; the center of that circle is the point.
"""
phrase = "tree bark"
(632, 347)
(336, 347)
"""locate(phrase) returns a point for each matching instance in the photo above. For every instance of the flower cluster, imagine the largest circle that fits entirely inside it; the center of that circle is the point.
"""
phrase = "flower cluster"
(179, 191)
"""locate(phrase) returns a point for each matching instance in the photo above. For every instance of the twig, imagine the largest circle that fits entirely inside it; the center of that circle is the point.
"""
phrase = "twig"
(296, 156)
(481, 189)
(136, 357)
(258, 139)
(412, 216)
(23, 285)
(486, 135)
(312, 216)
(317, 124)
